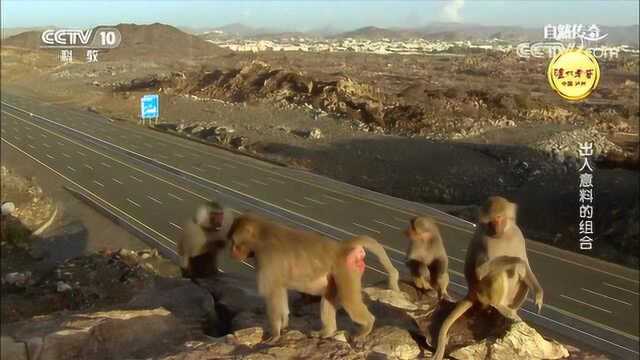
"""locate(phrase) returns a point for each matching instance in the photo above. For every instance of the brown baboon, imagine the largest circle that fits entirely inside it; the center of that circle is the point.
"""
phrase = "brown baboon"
(202, 238)
(496, 268)
(309, 263)
(426, 257)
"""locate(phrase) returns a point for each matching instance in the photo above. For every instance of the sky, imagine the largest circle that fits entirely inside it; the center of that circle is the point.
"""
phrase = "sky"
(308, 15)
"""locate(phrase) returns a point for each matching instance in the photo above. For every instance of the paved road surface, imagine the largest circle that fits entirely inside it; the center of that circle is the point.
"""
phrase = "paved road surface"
(155, 180)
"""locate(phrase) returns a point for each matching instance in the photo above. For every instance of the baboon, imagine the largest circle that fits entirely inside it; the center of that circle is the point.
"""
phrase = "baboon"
(203, 238)
(426, 257)
(496, 267)
(309, 263)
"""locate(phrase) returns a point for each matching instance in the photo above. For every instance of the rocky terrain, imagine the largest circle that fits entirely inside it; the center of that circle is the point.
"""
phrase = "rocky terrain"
(116, 304)
(440, 130)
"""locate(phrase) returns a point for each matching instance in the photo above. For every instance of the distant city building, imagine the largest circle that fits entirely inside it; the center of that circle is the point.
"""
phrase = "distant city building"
(382, 46)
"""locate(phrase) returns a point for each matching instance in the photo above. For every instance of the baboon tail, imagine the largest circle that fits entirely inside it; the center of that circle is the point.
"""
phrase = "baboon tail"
(374, 246)
(461, 307)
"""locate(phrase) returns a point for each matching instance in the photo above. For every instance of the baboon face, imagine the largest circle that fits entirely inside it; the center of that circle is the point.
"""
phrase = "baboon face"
(417, 231)
(242, 235)
(496, 214)
(216, 218)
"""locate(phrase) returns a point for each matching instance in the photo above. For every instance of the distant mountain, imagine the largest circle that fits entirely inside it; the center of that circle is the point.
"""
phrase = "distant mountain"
(237, 30)
(7, 32)
(28, 39)
(628, 35)
(376, 33)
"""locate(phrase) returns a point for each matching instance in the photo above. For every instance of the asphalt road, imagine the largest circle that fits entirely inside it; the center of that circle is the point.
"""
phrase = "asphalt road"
(155, 180)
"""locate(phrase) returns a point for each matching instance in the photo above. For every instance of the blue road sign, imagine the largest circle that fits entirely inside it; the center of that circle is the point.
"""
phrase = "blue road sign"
(150, 107)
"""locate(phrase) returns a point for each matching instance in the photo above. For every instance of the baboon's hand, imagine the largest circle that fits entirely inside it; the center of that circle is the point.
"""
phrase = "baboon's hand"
(539, 296)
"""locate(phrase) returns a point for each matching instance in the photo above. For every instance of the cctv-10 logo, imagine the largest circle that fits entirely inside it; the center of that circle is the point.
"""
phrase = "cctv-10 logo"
(97, 38)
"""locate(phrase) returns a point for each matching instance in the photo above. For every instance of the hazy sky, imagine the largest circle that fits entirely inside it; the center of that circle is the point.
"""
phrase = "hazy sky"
(305, 15)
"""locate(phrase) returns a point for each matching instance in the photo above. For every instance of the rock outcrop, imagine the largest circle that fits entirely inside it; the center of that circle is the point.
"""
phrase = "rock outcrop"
(223, 318)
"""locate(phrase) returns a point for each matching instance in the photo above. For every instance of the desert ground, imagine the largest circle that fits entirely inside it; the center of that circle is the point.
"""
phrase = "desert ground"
(443, 130)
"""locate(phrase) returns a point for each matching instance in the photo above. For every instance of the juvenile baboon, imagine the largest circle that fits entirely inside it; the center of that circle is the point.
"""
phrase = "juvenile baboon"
(496, 268)
(202, 238)
(426, 257)
(309, 263)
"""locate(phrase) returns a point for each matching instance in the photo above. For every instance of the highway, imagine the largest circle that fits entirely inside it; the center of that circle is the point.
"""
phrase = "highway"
(154, 181)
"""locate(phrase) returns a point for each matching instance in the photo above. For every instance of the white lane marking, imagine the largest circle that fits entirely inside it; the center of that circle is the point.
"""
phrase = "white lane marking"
(605, 296)
(404, 221)
(116, 180)
(179, 155)
(135, 178)
(584, 303)
(81, 153)
(333, 198)
(29, 137)
(60, 143)
(98, 183)
(31, 146)
(213, 167)
(315, 201)
(66, 155)
(197, 168)
(295, 203)
(259, 182)
(366, 228)
(49, 156)
(276, 180)
(134, 203)
(154, 199)
(228, 165)
(70, 168)
(105, 164)
(619, 288)
(88, 166)
(46, 145)
(535, 314)
(582, 266)
(44, 135)
(387, 225)
(240, 183)
(456, 259)
(175, 196)
(175, 225)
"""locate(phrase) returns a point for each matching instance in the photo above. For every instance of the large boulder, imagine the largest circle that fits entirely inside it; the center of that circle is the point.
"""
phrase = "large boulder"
(185, 300)
(100, 335)
(484, 333)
